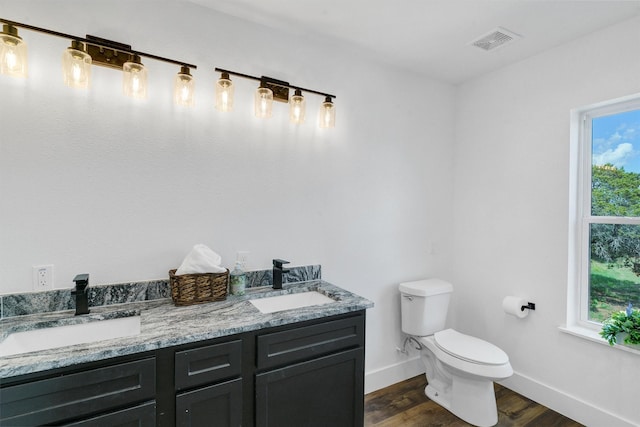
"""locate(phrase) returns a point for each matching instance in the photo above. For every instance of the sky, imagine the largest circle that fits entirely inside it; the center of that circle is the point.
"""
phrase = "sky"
(616, 140)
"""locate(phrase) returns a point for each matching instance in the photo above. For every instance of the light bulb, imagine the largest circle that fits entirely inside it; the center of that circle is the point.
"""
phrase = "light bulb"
(134, 78)
(76, 66)
(297, 108)
(76, 72)
(10, 59)
(263, 101)
(224, 93)
(13, 53)
(184, 88)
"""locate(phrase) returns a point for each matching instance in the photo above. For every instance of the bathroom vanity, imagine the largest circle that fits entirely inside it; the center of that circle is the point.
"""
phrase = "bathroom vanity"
(216, 364)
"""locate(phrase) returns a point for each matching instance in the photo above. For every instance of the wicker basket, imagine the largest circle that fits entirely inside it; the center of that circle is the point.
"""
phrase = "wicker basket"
(189, 289)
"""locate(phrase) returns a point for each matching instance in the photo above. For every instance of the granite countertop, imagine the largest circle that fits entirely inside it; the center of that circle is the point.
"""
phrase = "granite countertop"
(162, 324)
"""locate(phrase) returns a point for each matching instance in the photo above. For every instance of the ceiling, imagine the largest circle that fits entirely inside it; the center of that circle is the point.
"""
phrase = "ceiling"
(432, 37)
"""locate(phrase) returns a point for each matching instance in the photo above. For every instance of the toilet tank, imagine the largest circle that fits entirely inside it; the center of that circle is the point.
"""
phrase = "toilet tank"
(424, 305)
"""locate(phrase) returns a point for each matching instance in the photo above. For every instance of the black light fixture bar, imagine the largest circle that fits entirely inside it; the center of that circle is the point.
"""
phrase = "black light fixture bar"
(273, 82)
(99, 42)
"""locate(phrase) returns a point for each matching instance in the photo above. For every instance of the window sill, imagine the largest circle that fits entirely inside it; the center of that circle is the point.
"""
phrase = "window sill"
(591, 335)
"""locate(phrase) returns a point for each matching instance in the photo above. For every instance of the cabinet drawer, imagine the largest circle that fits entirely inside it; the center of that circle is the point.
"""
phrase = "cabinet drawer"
(75, 395)
(205, 365)
(307, 342)
(141, 416)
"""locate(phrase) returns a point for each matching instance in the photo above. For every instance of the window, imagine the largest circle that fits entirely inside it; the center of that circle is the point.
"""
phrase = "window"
(608, 210)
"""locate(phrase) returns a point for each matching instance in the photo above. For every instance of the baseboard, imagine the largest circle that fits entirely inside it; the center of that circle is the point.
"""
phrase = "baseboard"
(569, 406)
(392, 374)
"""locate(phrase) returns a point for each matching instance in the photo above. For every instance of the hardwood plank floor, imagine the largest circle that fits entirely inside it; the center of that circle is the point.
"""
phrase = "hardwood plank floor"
(405, 404)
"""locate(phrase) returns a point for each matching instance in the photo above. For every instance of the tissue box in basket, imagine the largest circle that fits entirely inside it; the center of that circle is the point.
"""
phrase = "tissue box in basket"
(188, 289)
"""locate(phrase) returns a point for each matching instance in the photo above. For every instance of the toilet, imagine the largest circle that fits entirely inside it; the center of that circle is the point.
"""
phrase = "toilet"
(460, 369)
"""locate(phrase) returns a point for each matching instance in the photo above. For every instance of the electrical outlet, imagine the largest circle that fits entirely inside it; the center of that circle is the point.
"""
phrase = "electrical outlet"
(42, 277)
(242, 257)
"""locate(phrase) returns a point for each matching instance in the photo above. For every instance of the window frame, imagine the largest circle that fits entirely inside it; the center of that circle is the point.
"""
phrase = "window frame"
(584, 219)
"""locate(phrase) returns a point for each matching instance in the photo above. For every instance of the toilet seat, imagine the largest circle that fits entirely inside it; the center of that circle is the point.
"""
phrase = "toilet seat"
(468, 348)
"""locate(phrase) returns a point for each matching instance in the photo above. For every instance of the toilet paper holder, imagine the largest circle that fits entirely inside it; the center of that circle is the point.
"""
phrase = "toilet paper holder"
(529, 306)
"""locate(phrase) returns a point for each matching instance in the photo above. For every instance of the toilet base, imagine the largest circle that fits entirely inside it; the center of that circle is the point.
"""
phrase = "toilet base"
(472, 400)
(468, 396)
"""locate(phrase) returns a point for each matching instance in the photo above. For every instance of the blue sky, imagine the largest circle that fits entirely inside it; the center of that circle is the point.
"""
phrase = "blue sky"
(616, 140)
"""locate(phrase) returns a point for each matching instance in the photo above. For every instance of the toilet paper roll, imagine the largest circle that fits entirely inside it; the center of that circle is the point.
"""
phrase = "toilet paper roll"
(513, 306)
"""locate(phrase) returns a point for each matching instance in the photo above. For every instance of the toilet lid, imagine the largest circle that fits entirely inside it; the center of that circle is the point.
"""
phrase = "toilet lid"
(470, 348)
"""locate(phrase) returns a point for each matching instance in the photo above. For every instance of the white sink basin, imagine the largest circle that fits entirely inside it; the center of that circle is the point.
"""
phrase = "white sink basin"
(62, 336)
(290, 301)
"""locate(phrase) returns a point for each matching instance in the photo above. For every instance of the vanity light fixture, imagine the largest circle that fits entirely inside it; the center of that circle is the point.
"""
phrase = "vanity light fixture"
(224, 93)
(90, 50)
(87, 51)
(271, 90)
(13, 52)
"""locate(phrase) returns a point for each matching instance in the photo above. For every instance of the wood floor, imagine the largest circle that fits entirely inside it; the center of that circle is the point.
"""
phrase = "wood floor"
(405, 405)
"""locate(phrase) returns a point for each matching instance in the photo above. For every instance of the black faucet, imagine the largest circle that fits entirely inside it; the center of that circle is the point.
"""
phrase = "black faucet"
(82, 300)
(277, 272)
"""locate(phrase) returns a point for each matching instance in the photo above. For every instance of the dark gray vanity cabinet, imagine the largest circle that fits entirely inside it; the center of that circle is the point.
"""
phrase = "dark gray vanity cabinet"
(299, 375)
(303, 374)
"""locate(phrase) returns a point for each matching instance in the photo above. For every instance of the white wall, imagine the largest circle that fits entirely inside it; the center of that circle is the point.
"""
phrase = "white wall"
(511, 214)
(95, 182)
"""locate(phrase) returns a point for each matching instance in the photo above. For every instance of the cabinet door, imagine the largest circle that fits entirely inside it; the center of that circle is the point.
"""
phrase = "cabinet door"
(328, 391)
(138, 416)
(218, 405)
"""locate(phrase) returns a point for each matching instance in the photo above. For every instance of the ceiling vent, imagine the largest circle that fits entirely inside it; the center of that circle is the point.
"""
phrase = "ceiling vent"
(495, 39)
